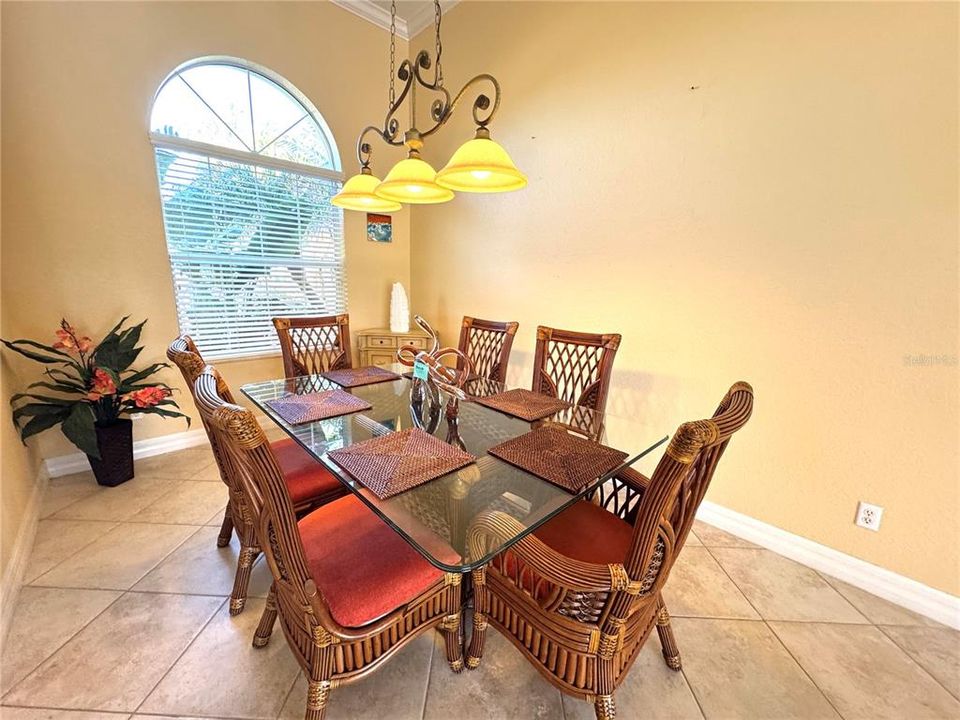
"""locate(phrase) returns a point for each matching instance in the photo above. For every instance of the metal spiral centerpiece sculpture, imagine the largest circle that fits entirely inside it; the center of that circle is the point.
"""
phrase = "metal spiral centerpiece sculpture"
(425, 400)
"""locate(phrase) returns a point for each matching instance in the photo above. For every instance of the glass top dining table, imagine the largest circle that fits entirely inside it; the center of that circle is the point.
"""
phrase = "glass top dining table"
(437, 515)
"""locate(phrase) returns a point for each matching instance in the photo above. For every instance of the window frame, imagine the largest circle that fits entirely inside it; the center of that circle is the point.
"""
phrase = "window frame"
(160, 140)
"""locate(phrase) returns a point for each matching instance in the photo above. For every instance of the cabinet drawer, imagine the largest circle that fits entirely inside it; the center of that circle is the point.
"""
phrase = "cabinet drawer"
(377, 341)
(419, 343)
(376, 357)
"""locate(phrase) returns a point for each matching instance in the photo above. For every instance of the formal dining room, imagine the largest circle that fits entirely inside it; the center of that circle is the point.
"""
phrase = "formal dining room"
(479, 360)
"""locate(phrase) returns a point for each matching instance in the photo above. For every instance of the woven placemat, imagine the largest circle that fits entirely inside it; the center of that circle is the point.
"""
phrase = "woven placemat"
(355, 377)
(553, 454)
(298, 409)
(399, 461)
(524, 404)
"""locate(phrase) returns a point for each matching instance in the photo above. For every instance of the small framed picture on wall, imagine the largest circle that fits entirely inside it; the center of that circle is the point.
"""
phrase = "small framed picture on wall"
(379, 228)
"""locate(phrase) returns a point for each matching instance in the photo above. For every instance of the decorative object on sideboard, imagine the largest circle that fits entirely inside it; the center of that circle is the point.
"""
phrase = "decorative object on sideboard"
(95, 389)
(479, 165)
(399, 309)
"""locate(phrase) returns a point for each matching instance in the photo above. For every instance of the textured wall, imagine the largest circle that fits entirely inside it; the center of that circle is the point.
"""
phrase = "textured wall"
(764, 192)
(82, 227)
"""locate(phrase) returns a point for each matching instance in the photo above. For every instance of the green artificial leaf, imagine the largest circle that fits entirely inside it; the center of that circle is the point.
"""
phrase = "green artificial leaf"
(58, 386)
(113, 330)
(34, 409)
(62, 375)
(145, 373)
(79, 429)
(40, 423)
(131, 336)
(157, 410)
(45, 359)
(45, 348)
(43, 398)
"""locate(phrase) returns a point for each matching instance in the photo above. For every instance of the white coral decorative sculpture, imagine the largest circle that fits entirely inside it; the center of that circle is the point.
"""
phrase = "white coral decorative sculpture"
(399, 310)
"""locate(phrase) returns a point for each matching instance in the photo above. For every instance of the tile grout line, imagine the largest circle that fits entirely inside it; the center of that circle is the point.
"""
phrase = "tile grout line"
(913, 659)
(287, 695)
(779, 639)
(149, 570)
(124, 713)
(62, 645)
(426, 687)
(182, 652)
(75, 553)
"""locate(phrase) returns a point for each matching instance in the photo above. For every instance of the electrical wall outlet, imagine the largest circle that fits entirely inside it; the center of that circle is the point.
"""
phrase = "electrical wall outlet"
(868, 516)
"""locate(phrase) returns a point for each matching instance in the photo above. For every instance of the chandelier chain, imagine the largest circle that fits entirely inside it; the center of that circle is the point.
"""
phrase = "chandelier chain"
(393, 50)
(438, 15)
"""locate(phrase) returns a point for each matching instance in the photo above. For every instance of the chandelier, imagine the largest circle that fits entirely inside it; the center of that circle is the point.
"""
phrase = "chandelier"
(479, 165)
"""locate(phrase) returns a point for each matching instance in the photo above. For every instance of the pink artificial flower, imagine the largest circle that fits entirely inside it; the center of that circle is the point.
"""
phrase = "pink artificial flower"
(102, 383)
(148, 397)
(65, 341)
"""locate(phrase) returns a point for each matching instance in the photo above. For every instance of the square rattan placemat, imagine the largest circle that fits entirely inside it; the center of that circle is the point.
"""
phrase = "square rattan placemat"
(553, 454)
(355, 377)
(524, 404)
(390, 464)
(298, 409)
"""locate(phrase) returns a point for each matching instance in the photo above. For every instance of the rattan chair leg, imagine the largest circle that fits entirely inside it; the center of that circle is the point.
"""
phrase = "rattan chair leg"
(318, 694)
(238, 598)
(226, 529)
(475, 651)
(267, 620)
(450, 627)
(605, 708)
(668, 644)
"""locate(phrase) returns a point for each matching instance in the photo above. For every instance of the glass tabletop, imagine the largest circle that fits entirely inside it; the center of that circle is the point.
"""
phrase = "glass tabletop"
(438, 514)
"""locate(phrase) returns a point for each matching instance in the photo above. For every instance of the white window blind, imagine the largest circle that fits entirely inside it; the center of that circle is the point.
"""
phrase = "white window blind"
(246, 178)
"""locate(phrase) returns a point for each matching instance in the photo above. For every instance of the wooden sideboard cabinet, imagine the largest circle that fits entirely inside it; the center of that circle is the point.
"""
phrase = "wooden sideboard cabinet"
(378, 346)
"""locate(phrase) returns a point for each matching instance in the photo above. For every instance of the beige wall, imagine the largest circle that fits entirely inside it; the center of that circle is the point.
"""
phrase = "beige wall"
(764, 192)
(82, 230)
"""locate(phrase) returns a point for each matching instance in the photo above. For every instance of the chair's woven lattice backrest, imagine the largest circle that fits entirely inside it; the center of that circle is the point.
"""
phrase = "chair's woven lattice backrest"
(249, 456)
(669, 504)
(574, 366)
(487, 344)
(314, 345)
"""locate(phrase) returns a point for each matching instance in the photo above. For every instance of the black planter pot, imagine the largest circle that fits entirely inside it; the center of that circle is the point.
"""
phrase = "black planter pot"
(115, 442)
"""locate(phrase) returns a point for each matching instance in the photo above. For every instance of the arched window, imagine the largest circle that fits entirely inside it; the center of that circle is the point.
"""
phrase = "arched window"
(246, 167)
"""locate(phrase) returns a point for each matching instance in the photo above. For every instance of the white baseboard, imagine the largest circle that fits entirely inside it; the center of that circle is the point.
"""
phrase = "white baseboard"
(898, 589)
(77, 462)
(22, 546)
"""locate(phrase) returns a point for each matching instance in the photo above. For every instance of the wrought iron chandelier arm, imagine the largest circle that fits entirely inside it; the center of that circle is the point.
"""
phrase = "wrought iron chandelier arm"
(443, 108)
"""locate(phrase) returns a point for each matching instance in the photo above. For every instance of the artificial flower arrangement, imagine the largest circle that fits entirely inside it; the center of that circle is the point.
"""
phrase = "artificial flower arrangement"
(95, 387)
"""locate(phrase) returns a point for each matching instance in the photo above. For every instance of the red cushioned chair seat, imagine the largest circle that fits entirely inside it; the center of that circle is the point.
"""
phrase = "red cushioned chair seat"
(362, 567)
(588, 533)
(306, 477)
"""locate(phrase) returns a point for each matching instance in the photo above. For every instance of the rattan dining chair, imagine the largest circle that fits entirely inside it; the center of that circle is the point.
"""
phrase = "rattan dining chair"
(308, 482)
(348, 590)
(574, 366)
(487, 344)
(313, 345)
(580, 597)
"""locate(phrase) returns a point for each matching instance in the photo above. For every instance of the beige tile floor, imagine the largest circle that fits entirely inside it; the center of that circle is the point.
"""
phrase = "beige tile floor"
(124, 615)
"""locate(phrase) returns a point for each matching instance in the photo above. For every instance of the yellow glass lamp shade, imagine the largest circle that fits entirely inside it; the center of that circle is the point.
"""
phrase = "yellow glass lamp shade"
(358, 194)
(482, 166)
(413, 181)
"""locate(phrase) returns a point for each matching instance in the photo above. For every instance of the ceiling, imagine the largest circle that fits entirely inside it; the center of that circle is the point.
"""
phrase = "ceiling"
(412, 15)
